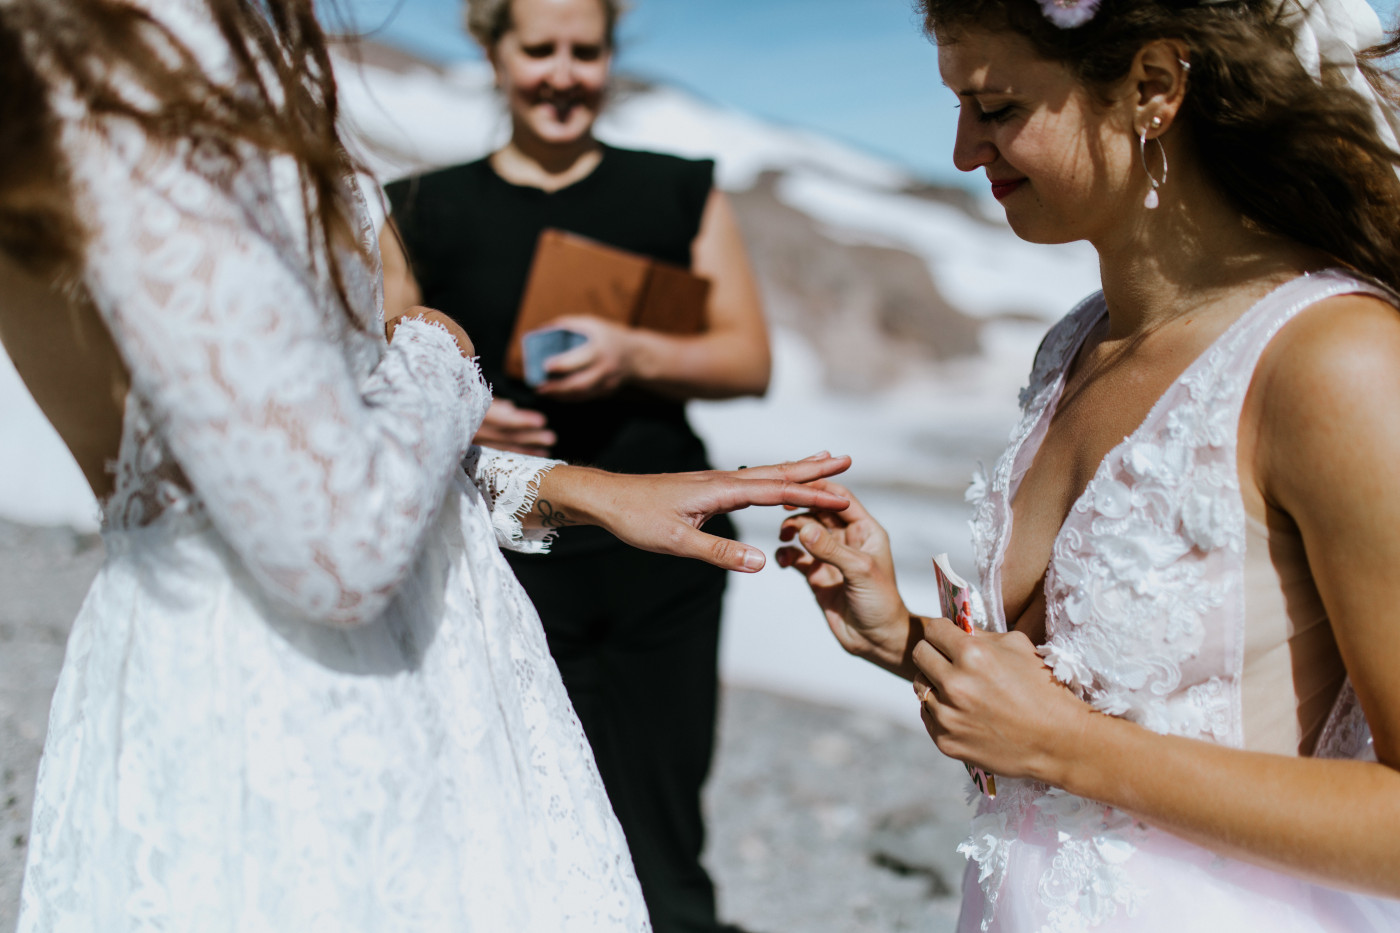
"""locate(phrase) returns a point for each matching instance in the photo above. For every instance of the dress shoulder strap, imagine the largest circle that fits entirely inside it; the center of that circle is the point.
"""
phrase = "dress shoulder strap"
(1222, 376)
(1268, 316)
(1060, 345)
(1346, 733)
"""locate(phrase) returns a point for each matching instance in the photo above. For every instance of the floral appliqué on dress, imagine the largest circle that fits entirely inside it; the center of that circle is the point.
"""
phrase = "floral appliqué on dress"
(1144, 598)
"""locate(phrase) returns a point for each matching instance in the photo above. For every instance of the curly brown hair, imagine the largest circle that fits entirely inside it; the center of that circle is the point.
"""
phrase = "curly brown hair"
(119, 61)
(1297, 157)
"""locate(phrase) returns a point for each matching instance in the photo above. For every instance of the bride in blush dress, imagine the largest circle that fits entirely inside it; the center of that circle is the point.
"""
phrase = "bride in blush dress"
(305, 691)
(1184, 680)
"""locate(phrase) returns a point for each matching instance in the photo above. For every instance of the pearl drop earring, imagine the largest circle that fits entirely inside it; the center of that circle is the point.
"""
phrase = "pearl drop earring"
(1152, 200)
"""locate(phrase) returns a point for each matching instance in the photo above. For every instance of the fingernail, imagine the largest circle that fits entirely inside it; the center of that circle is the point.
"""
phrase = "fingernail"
(808, 533)
(753, 560)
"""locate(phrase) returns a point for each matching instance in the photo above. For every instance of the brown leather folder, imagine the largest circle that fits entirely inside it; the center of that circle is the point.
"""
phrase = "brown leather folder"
(572, 274)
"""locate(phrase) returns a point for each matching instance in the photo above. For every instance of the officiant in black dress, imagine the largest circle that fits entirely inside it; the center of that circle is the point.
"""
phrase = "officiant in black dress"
(635, 634)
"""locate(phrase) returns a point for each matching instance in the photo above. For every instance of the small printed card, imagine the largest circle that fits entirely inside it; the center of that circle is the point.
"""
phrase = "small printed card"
(957, 605)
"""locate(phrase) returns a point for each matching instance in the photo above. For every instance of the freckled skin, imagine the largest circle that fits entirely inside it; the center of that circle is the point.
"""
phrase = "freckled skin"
(1024, 118)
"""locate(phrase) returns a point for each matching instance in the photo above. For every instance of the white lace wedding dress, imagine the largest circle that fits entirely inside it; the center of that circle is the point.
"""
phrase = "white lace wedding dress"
(305, 692)
(1145, 619)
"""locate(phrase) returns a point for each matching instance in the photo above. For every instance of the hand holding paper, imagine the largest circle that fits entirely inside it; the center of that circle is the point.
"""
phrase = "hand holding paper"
(953, 593)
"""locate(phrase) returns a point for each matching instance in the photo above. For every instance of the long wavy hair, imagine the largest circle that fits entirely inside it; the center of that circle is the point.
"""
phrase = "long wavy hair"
(1297, 157)
(120, 62)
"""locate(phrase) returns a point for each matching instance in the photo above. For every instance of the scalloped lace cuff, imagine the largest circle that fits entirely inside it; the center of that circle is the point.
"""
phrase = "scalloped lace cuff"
(511, 484)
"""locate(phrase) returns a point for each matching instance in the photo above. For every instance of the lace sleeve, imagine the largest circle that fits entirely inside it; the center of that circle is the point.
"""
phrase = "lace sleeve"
(323, 482)
(510, 484)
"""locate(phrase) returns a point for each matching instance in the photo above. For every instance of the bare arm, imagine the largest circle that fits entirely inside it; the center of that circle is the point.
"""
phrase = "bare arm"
(664, 512)
(731, 358)
(401, 290)
(1328, 436)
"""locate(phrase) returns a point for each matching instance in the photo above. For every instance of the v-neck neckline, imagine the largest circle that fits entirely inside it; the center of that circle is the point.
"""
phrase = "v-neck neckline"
(1051, 405)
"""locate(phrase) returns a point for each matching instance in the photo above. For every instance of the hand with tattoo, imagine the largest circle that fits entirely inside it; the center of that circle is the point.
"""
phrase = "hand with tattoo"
(663, 512)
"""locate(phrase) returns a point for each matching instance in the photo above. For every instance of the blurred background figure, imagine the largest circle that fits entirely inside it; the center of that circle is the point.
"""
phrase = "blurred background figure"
(636, 637)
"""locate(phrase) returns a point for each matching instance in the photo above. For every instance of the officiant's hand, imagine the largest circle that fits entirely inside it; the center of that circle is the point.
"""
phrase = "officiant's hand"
(845, 556)
(592, 369)
(522, 430)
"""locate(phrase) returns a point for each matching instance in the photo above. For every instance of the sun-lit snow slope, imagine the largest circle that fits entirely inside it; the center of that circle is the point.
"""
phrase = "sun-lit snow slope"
(415, 116)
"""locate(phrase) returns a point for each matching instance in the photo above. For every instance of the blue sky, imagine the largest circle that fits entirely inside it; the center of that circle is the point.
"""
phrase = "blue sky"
(859, 70)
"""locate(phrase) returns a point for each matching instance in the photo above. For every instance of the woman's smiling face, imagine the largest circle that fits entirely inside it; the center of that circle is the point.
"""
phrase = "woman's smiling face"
(552, 66)
(1059, 161)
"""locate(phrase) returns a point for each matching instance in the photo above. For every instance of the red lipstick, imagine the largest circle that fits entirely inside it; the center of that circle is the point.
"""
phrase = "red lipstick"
(1001, 189)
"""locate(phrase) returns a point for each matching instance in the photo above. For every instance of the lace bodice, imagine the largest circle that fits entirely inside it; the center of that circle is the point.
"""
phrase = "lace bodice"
(1144, 590)
(260, 403)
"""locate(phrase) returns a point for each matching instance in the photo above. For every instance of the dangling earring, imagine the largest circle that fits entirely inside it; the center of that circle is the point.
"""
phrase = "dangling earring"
(1152, 200)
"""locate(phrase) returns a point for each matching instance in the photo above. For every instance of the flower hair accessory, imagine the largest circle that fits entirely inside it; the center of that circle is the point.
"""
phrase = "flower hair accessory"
(1067, 14)
(1330, 33)
(1328, 37)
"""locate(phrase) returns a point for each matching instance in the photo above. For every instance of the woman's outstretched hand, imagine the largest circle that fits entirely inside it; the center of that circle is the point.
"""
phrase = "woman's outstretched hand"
(989, 699)
(663, 512)
(845, 556)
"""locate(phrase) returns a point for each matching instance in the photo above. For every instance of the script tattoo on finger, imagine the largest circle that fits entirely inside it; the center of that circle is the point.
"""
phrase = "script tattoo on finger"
(550, 517)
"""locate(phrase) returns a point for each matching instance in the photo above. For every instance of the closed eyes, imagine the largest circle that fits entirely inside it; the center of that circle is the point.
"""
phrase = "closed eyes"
(1000, 115)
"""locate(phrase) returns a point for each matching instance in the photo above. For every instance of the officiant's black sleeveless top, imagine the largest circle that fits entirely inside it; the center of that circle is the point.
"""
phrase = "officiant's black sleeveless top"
(470, 237)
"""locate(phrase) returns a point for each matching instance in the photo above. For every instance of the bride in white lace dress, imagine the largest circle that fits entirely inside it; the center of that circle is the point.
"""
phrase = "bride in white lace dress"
(1185, 678)
(305, 691)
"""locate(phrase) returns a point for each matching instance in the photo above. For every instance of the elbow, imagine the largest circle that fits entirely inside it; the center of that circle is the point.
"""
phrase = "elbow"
(749, 368)
(351, 613)
(764, 376)
(758, 374)
(323, 600)
(740, 383)
(355, 617)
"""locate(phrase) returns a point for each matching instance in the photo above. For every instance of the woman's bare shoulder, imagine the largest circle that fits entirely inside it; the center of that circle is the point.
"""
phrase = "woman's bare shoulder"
(1340, 349)
(1327, 391)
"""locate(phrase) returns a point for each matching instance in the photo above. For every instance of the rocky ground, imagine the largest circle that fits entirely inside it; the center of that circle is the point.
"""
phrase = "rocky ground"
(822, 820)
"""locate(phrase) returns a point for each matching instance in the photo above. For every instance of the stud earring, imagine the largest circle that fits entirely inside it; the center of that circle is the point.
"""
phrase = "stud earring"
(1152, 200)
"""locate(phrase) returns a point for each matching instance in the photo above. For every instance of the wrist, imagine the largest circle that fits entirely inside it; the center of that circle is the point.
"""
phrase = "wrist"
(641, 355)
(891, 644)
(583, 494)
(1070, 760)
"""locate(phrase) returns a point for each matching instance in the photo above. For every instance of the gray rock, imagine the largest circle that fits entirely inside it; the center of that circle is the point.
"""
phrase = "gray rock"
(824, 820)
(871, 313)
